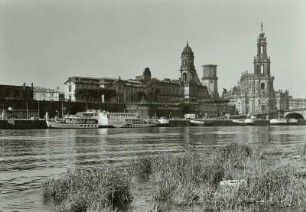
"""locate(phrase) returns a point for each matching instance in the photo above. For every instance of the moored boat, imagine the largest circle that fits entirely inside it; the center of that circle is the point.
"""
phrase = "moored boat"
(163, 121)
(125, 120)
(194, 122)
(283, 121)
(137, 123)
(247, 121)
(82, 120)
(239, 121)
(73, 122)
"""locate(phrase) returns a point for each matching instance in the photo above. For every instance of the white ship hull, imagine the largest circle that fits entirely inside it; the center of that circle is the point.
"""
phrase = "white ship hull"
(62, 125)
(283, 121)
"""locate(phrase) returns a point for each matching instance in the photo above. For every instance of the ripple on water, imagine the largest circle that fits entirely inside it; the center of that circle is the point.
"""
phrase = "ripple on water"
(28, 157)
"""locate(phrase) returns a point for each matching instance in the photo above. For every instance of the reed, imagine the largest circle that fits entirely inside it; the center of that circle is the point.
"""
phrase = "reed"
(89, 190)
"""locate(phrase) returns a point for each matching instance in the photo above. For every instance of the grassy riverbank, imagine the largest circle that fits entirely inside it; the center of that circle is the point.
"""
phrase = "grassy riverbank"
(233, 176)
(89, 190)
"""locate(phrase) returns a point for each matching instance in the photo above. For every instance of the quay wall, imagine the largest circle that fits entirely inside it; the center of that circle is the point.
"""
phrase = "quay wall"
(23, 124)
(20, 107)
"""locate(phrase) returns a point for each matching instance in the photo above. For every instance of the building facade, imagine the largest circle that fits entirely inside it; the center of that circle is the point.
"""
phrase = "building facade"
(192, 87)
(46, 94)
(16, 92)
(143, 88)
(296, 103)
(255, 93)
(210, 80)
(75, 84)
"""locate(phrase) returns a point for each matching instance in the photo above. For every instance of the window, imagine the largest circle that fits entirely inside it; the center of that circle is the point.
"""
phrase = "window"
(261, 69)
(185, 77)
(262, 86)
(69, 88)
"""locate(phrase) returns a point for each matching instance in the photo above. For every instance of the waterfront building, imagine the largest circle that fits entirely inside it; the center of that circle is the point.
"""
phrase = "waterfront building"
(75, 84)
(10, 92)
(297, 103)
(46, 94)
(143, 88)
(255, 93)
(210, 80)
(193, 90)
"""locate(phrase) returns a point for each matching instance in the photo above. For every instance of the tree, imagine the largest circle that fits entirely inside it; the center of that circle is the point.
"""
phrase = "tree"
(152, 91)
(138, 96)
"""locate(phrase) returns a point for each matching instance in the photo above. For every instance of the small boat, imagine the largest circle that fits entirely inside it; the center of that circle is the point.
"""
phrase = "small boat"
(239, 121)
(197, 122)
(200, 122)
(153, 120)
(163, 121)
(137, 123)
(247, 121)
(283, 121)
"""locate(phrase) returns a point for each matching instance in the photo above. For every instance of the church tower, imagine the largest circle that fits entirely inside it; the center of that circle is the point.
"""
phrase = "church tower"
(210, 80)
(189, 78)
(263, 91)
(188, 72)
(261, 60)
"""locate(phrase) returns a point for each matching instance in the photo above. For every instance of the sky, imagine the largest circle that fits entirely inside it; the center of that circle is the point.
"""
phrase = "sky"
(47, 41)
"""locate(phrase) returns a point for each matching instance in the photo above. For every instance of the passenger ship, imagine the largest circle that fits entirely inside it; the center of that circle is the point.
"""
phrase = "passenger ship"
(98, 119)
(82, 120)
(126, 120)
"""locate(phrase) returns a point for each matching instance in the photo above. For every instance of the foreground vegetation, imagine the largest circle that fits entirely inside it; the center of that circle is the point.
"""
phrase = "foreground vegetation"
(232, 177)
(89, 190)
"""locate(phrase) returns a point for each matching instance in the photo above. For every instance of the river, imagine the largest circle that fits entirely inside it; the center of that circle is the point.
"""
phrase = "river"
(28, 157)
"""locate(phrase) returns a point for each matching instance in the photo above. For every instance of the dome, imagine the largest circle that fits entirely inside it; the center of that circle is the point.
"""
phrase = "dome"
(147, 72)
(187, 49)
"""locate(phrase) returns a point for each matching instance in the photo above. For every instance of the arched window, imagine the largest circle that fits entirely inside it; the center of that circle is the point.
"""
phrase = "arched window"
(261, 69)
(262, 86)
(184, 77)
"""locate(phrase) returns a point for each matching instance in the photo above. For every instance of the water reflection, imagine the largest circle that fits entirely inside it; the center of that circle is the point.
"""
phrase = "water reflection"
(27, 157)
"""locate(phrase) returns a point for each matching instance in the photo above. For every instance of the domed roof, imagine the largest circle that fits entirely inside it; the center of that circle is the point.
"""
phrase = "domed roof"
(187, 49)
(147, 71)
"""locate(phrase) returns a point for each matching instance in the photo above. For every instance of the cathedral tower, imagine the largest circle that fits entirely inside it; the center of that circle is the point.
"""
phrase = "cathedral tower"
(261, 60)
(188, 72)
(190, 83)
(263, 91)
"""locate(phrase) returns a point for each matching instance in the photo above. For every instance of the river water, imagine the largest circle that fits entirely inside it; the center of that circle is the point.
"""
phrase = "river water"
(28, 157)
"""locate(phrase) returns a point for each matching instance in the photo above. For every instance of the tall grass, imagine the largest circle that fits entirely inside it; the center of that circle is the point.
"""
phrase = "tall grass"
(185, 179)
(89, 190)
(194, 178)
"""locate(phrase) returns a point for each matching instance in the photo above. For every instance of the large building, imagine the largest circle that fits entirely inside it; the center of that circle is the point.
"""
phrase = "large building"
(143, 88)
(255, 93)
(46, 94)
(16, 92)
(210, 80)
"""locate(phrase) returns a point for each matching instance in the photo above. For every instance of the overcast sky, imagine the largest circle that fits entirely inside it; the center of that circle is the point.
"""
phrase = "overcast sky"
(45, 42)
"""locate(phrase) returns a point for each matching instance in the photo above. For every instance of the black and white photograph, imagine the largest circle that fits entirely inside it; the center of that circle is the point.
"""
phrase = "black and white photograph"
(152, 105)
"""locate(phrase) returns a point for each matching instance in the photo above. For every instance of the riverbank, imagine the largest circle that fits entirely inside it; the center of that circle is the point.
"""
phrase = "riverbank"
(41, 124)
(22, 124)
(232, 176)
